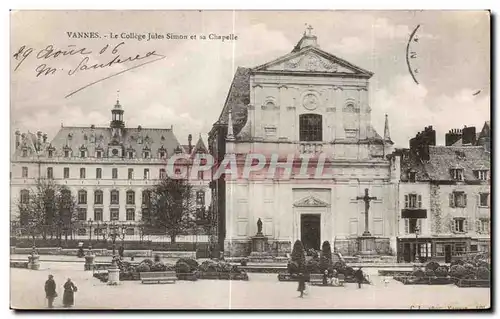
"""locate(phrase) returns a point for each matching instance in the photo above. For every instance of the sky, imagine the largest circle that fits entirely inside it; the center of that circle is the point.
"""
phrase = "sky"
(187, 88)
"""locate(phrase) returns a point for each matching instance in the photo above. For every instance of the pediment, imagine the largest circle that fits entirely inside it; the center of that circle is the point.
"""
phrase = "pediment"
(312, 59)
(311, 201)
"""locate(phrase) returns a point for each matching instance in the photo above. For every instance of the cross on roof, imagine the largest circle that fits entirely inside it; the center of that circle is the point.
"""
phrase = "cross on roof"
(309, 28)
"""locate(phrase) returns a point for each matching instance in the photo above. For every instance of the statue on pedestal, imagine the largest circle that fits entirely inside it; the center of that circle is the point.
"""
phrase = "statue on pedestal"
(259, 226)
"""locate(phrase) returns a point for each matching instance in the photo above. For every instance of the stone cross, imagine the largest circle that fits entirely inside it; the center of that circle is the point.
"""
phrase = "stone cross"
(367, 200)
(309, 28)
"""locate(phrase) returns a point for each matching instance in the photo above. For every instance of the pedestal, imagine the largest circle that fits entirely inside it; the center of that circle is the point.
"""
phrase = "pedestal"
(89, 261)
(34, 262)
(259, 243)
(113, 275)
(366, 245)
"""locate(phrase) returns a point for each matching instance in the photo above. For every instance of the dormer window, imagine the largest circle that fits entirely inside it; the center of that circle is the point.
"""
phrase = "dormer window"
(146, 154)
(50, 153)
(114, 152)
(457, 174)
(25, 153)
(66, 153)
(98, 154)
(481, 174)
(130, 154)
(139, 140)
(162, 154)
(82, 153)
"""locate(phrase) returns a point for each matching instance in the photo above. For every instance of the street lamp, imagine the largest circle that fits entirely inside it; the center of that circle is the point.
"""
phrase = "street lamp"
(417, 231)
(114, 233)
(90, 221)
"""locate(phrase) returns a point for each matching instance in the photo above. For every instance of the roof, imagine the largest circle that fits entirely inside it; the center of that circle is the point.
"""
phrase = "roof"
(237, 100)
(136, 139)
(444, 158)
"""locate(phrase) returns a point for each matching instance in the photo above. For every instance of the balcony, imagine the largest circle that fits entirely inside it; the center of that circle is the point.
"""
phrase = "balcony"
(310, 147)
(414, 213)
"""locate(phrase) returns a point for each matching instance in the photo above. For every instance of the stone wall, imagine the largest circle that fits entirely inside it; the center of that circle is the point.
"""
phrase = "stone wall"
(349, 246)
(243, 248)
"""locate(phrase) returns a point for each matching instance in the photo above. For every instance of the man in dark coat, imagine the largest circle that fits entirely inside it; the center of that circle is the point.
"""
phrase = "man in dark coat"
(50, 291)
(360, 277)
(69, 293)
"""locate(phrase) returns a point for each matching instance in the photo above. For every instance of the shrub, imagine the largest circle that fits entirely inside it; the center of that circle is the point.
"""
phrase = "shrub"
(157, 258)
(419, 273)
(483, 273)
(148, 261)
(441, 271)
(298, 256)
(457, 262)
(244, 261)
(458, 271)
(430, 273)
(326, 257)
(158, 266)
(143, 267)
(182, 268)
(313, 267)
(193, 264)
(432, 265)
(208, 266)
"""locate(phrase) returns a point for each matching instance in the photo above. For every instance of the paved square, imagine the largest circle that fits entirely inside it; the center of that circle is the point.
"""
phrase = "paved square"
(262, 291)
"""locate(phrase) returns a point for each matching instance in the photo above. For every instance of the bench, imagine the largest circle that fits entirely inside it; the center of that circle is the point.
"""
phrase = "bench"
(316, 279)
(158, 277)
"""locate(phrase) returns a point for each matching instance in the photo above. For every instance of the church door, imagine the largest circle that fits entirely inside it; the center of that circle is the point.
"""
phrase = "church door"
(310, 230)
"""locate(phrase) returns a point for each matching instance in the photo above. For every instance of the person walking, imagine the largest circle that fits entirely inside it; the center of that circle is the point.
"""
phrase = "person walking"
(69, 293)
(359, 277)
(50, 291)
(302, 284)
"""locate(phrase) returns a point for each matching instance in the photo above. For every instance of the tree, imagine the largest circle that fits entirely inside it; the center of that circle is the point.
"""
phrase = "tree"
(326, 262)
(66, 212)
(171, 207)
(298, 256)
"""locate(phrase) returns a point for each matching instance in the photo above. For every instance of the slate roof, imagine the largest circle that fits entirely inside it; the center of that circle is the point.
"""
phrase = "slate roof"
(92, 138)
(444, 158)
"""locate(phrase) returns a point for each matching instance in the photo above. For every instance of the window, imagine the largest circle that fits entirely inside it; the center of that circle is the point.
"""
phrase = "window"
(413, 201)
(412, 176)
(483, 226)
(458, 199)
(98, 197)
(146, 154)
(130, 214)
(130, 197)
(457, 174)
(25, 196)
(115, 213)
(82, 214)
(82, 232)
(115, 197)
(459, 225)
(82, 172)
(311, 127)
(25, 153)
(162, 173)
(412, 225)
(200, 198)
(114, 152)
(98, 214)
(130, 173)
(130, 154)
(484, 200)
(481, 174)
(177, 171)
(98, 173)
(145, 197)
(146, 173)
(50, 172)
(66, 172)
(66, 153)
(82, 197)
(98, 154)
(162, 154)
(114, 173)
(24, 172)
(82, 154)
(200, 175)
(50, 153)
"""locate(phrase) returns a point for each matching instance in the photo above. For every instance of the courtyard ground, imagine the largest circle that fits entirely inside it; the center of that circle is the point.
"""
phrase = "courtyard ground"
(262, 291)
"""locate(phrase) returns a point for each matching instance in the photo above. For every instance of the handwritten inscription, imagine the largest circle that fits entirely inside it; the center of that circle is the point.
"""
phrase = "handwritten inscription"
(49, 56)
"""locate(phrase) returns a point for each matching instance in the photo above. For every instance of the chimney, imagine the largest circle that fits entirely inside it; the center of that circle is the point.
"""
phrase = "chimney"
(39, 137)
(18, 138)
(44, 137)
(452, 137)
(419, 145)
(139, 128)
(469, 136)
(190, 140)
